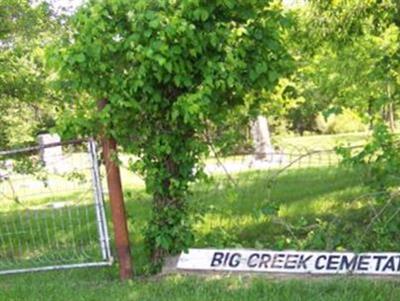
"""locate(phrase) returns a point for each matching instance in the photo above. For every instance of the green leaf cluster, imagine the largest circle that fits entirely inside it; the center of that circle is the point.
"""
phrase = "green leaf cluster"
(347, 56)
(26, 99)
(170, 70)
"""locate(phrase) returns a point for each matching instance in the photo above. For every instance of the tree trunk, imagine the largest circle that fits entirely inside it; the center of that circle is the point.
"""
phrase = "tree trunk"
(168, 209)
(261, 138)
(391, 117)
(370, 114)
(390, 110)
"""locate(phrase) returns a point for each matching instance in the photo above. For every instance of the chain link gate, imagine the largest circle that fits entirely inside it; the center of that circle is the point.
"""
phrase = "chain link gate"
(52, 213)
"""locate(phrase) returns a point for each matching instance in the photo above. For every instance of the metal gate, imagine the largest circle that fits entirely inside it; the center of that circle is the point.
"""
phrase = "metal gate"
(52, 213)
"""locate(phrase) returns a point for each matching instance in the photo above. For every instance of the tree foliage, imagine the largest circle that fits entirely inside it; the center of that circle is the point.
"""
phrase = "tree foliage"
(170, 70)
(25, 96)
(347, 55)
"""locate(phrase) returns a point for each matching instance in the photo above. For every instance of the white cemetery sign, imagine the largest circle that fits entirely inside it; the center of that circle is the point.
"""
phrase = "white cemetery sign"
(290, 262)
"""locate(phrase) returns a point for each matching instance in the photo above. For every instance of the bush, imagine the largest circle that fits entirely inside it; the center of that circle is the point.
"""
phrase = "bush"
(380, 162)
(346, 122)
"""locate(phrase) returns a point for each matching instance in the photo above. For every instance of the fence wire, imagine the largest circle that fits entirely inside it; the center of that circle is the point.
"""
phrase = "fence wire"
(297, 198)
(51, 208)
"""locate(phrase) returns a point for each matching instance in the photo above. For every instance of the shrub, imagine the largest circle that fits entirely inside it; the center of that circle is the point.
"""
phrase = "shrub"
(345, 122)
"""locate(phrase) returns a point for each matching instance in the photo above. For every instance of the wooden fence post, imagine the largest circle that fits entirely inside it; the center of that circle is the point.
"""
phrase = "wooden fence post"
(117, 205)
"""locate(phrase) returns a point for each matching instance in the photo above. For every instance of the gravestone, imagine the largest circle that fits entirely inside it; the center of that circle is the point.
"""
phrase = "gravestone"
(52, 157)
(261, 138)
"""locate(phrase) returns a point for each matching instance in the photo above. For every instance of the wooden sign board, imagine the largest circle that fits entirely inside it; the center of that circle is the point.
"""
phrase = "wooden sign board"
(290, 262)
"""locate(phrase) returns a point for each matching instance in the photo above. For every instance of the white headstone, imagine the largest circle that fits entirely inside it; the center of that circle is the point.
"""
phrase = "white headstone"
(52, 157)
(261, 138)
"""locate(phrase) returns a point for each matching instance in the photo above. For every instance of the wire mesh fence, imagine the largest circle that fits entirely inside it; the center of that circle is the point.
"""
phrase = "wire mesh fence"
(297, 198)
(51, 208)
(290, 158)
(52, 212)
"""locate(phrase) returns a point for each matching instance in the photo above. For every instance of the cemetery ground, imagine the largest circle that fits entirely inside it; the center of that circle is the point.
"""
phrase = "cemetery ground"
(318, 207)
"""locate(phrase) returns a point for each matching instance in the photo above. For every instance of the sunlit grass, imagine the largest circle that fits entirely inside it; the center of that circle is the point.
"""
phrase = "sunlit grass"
(324, 141)
(237, 216)
(101, 285)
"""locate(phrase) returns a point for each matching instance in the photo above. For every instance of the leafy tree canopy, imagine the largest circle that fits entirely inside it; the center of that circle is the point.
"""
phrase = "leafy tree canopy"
(24, 92)
(169, 70)
(347, 55)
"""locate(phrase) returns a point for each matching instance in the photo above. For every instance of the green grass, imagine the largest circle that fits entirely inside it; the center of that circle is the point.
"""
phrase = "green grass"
(102, 284)
(322, 208)
(323, 141)
(235, 219)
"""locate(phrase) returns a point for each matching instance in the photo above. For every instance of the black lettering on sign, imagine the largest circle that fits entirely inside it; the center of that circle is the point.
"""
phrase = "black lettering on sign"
(253, 260)
(363, 263)
(303, 261)
(379, 259)
(348, 264)
(277, 259)
(235, 260)
(291, 260)
(265, 259)
(291, 263)
(226, 258)
(318, 264)
(333, 262)
(217, 259)
(389, 265)
(398, 264)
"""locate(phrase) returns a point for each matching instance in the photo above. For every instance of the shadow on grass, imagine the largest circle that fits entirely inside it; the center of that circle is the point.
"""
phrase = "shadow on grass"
(256, 189)
(317, 208)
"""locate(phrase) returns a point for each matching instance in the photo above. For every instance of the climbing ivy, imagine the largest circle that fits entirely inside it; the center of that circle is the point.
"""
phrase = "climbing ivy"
(170, 69)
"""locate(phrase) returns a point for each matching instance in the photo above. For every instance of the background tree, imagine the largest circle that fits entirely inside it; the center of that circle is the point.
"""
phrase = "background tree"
(170, 71)
(347, 55)
(26, 100)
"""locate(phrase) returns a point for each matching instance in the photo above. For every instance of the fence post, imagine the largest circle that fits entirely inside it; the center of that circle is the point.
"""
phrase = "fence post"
(117, 203)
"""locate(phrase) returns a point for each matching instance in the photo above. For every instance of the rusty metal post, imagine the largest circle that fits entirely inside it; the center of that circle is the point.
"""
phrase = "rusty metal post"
(117, 204)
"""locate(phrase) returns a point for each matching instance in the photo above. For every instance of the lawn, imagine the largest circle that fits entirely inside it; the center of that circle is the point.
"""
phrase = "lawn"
(324, 208)
(101, 285)
(323, 141)
(320, 207)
